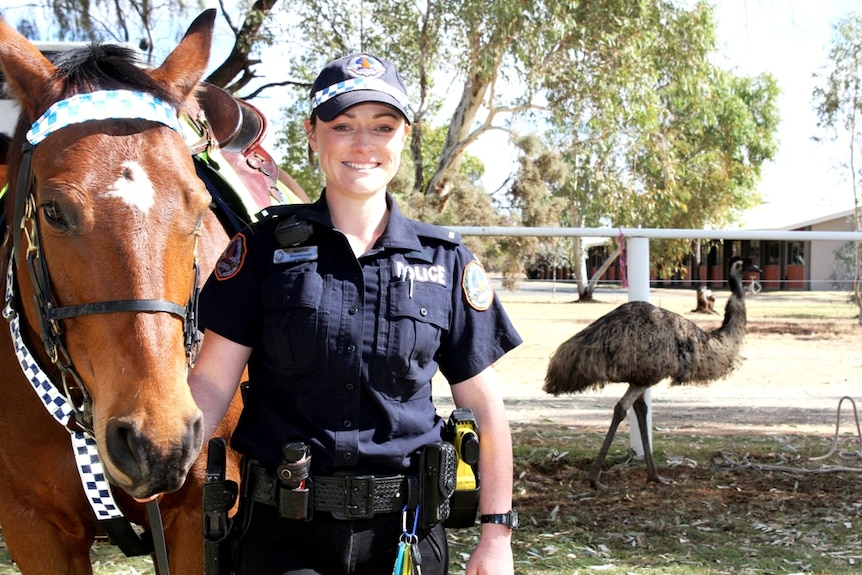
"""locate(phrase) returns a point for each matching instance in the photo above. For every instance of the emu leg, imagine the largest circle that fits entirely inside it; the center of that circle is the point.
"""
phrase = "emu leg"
(596, 469)
(620, 409)
(640, 408)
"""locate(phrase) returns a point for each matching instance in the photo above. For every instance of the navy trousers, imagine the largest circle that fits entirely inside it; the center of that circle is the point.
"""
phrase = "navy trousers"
(270, 545)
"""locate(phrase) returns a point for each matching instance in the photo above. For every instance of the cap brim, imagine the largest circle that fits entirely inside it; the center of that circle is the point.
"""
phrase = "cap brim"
(336, 106)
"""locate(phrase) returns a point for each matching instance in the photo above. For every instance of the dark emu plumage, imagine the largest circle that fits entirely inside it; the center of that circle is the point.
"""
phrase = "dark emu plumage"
(641, 344)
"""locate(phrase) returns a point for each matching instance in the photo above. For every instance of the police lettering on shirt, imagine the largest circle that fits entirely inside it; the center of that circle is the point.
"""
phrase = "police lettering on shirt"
(421, 273)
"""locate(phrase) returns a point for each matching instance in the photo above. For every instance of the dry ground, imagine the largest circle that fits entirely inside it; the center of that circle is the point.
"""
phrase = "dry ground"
(794, 370)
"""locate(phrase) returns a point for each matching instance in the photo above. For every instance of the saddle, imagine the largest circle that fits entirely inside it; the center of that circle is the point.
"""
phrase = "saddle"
(239, 129)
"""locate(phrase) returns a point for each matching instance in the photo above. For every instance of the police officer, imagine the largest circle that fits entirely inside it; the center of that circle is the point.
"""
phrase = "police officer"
(344, 310)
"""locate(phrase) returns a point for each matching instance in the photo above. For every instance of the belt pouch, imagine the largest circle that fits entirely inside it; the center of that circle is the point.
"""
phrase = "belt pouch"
(437, 482)
(294, 495)
(294, 503)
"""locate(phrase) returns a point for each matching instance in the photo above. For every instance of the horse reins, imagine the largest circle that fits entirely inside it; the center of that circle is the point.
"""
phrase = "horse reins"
(69, 403)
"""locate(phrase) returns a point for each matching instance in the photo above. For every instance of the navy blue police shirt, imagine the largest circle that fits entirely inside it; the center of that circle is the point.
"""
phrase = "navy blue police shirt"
(344, 349)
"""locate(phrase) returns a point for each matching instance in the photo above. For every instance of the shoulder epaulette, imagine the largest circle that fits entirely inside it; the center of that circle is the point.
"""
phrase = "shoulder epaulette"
(436, 232)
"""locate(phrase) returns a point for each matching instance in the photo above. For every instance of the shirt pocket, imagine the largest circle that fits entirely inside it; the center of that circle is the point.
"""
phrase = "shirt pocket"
(292, 322)
(418, 314)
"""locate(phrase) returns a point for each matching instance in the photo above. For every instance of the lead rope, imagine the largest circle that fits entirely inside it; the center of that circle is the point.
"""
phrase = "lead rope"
(96, 487)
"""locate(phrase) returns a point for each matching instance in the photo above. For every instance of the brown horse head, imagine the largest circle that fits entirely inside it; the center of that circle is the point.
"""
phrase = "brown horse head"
(114, 213)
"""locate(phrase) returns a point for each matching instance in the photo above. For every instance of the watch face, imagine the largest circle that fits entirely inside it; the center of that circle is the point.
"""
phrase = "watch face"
(513, 519)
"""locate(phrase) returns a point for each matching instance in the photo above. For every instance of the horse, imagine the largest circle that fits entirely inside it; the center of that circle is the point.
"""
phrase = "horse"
(110, 235)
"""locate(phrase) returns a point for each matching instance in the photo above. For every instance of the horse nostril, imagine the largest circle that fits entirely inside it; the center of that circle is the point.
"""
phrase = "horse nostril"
(125, 448)
(196, 437)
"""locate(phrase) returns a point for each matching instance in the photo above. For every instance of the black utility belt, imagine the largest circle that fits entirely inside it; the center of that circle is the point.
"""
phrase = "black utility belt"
(348, 496)
(297, 495)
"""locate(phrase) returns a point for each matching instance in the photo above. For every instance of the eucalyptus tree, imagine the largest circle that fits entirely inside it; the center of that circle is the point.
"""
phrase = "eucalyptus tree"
(623, 91)
(655, 135)
(838, 104)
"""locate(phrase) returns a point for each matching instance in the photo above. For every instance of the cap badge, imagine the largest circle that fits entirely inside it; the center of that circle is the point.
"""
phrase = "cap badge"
(365, 66)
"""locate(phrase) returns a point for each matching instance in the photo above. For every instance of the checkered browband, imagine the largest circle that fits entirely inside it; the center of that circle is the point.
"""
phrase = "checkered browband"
(90, 468)
(103, 105)
(328, 93)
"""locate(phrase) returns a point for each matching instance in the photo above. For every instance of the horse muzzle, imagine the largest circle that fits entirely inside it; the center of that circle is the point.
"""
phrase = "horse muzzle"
(144, 467)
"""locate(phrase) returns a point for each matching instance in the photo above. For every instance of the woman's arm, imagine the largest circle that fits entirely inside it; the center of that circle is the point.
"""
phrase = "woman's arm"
(214, 378)
(493, 554)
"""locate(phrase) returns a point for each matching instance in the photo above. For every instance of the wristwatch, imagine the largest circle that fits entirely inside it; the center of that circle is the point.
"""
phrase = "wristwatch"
(509, 519)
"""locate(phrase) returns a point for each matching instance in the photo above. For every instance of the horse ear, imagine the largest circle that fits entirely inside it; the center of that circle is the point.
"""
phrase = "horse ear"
(184, 68)
(28, 73)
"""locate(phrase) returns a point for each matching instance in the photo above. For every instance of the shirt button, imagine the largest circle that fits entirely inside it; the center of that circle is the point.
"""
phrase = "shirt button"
(353, 310)
(423, 312)
(349, 387)
(351, 348)
(348, 455)
(347, 423)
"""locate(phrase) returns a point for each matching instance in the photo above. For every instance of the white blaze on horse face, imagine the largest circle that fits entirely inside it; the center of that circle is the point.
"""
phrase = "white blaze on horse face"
(134, 187)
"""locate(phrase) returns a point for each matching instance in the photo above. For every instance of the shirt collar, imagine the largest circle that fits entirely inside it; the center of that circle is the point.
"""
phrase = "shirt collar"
(398, 235)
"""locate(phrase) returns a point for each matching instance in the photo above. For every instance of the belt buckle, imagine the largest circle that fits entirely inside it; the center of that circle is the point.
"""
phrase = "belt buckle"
(358, 498)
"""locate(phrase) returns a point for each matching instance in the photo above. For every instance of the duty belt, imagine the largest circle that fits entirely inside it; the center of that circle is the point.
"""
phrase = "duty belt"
(348, 496)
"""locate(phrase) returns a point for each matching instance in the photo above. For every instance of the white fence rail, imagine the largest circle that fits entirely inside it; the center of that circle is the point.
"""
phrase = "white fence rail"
(669, 233)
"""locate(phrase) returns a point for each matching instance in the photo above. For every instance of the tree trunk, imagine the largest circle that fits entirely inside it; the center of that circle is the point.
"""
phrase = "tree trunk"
(459, 134)
(238, 62)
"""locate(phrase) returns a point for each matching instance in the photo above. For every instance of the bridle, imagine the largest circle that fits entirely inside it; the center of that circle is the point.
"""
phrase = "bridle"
(26, 234)
(69, 403)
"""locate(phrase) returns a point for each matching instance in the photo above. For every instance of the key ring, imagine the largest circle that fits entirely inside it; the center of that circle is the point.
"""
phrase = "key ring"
(409, 536)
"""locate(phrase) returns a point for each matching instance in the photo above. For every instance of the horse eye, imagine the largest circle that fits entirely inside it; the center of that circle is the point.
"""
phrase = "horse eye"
(54, 215)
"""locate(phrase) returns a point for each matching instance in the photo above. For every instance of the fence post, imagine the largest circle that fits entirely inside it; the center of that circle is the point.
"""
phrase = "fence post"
(637, 270)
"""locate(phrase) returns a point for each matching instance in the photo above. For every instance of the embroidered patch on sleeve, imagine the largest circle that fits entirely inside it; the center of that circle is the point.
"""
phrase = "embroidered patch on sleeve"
(477, 287)
(231, 259)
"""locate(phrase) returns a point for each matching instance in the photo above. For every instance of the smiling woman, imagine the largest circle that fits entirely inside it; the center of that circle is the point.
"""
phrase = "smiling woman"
(344, 310)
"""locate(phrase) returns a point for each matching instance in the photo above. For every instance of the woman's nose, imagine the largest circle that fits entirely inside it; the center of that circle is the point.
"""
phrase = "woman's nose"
(362, 139)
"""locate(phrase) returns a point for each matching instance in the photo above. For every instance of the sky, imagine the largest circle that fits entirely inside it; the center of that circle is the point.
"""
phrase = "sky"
(791, 40)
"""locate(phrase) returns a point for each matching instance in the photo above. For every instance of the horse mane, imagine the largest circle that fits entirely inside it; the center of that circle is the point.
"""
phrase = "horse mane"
(106, 67)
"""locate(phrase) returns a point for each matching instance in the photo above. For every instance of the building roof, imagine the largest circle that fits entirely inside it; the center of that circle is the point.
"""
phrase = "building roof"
(769, 216)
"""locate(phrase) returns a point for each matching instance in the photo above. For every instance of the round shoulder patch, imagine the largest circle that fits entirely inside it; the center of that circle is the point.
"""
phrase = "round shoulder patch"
(477, 287)
(231, 259)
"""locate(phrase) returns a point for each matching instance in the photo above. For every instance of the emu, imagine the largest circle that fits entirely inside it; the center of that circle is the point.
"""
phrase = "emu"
(641, 344)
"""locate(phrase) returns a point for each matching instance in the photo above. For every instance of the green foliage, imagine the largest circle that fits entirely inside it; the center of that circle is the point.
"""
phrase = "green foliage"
(654, 134)
(629, 121)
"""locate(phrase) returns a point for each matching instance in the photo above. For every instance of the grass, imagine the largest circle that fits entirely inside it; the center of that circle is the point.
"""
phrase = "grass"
(738, 504)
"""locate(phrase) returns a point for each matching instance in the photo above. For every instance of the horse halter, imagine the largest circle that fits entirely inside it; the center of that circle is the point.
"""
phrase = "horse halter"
(26, 233)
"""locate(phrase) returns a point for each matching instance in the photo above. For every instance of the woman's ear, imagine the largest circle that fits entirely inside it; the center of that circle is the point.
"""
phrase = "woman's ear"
(310, 134)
